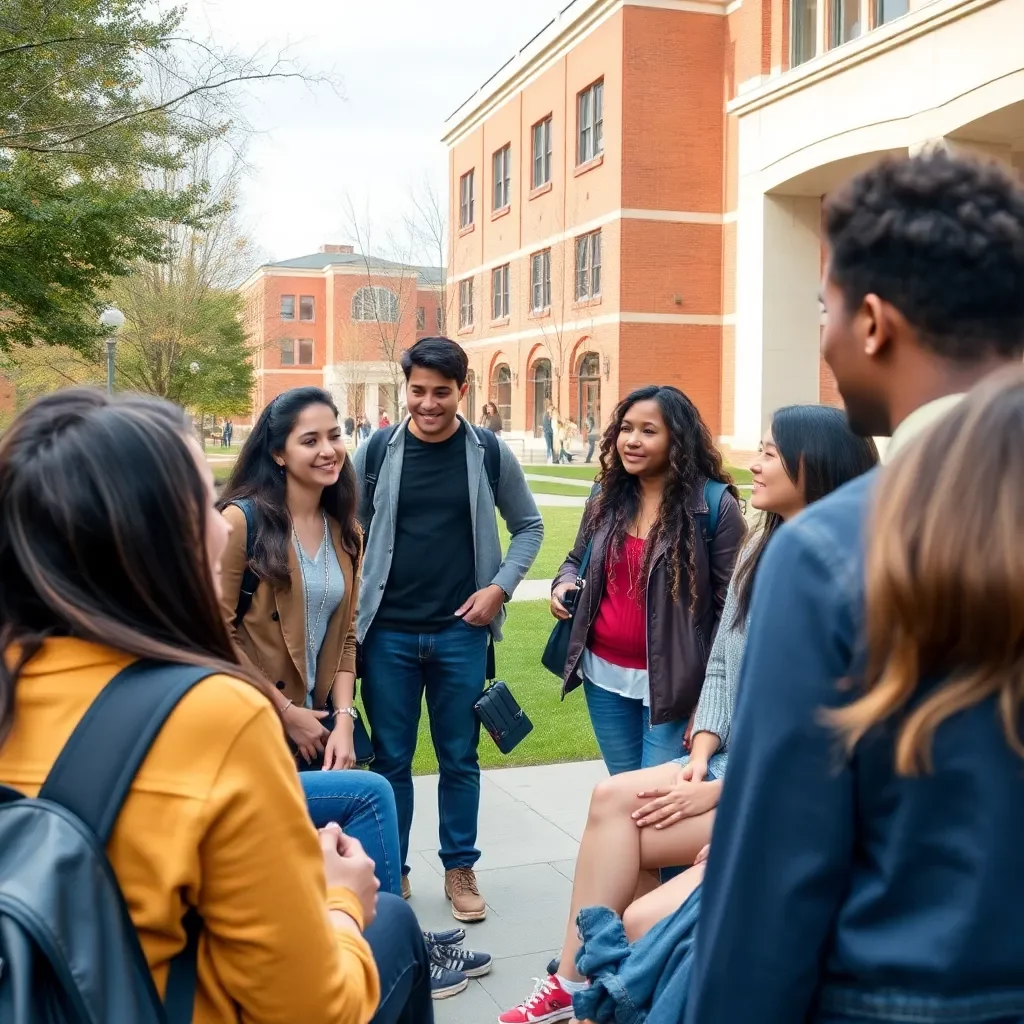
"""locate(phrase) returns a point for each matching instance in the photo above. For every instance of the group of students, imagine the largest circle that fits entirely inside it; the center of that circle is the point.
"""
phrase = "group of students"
(837, 697)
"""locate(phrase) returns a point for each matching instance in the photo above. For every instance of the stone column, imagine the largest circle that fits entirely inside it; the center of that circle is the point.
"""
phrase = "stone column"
(778, 319)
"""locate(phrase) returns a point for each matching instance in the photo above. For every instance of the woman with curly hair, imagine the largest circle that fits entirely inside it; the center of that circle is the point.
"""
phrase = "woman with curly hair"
(649, 572)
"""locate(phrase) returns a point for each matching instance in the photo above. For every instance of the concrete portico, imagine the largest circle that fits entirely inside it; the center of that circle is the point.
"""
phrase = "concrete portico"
(951, 72)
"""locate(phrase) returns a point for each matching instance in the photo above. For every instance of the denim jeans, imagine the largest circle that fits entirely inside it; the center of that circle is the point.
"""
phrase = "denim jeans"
(400, 953)
(450, 666)
(364, 806)
(625, 735)
(549, 446)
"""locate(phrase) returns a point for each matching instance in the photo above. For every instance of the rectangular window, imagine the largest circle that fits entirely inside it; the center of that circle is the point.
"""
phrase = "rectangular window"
(466, 303)
(588, 265)
(887, 10)
(844, 21)
(421, 318)
(466, 200)
(287, 352)
(499, 293)
(803, 28)
(590, 123)
(287, 307)
(440, 319)
(541, 153)
(502, 178)
(540, 279)
(305, 352)
(305, 307)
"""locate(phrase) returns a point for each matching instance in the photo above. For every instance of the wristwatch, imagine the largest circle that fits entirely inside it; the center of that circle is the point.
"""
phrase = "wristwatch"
(352, 713)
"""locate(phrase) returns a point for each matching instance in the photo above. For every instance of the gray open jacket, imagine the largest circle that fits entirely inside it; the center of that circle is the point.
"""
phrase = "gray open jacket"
(514, 502)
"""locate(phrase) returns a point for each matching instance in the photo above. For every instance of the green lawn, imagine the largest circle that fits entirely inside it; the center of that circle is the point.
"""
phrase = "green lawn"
(560, 526)
(561, 731)
(739, 475)
(568, 490)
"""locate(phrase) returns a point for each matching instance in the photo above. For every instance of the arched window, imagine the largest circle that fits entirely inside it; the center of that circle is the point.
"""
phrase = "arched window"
(379, 304)
(471, 396)
(541, 380)
(590, 390)
(501, 393)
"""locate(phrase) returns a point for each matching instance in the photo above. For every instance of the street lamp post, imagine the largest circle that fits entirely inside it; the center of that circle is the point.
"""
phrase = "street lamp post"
(114, 319)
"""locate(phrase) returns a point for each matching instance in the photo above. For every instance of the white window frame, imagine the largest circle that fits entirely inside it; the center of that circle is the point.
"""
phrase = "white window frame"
(305, 345)
(375, 305)
(466, 303)
(588, 265)
(288, 345)
(312, 308)
(466, 198)
(540, 281)
(590, 123)
(286, 316)
(541, 153)
(500, 294)
(501, 162)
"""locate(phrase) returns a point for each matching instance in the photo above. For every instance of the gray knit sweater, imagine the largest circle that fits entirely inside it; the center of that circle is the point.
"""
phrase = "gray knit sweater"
(718, 697)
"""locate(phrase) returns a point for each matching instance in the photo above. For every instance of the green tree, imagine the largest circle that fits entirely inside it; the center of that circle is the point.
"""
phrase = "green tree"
(100, 100)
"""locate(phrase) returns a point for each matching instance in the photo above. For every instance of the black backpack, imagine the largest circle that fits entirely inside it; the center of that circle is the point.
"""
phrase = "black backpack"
(69, 953)
(377, 446)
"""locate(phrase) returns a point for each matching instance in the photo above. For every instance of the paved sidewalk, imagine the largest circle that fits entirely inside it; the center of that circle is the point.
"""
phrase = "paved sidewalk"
(569, 480)
(533, 590)
(531, 821)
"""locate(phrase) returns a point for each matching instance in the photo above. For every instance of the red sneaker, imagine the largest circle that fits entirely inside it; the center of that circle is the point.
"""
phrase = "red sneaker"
(549, 1002)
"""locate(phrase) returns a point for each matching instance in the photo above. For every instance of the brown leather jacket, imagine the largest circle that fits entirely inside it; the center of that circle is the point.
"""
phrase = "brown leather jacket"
(678, 641)
(272, 638)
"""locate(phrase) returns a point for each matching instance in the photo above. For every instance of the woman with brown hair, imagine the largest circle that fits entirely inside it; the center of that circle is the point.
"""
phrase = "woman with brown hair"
(110, 552)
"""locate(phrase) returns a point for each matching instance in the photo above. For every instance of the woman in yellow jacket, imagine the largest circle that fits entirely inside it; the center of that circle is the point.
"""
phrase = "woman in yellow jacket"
(109, 552)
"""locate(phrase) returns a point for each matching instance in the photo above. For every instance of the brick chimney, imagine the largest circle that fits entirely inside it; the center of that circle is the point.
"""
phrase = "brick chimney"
(336, 249)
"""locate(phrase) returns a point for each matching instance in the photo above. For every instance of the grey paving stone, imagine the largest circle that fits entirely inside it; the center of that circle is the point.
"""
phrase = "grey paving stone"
(474, 1006)
(511, 980)
(566, 867)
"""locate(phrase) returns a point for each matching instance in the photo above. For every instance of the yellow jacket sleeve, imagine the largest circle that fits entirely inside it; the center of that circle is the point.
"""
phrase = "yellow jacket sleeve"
(264, 899)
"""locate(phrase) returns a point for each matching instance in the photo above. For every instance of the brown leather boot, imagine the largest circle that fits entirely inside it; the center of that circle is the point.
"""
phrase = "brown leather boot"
(460, 887)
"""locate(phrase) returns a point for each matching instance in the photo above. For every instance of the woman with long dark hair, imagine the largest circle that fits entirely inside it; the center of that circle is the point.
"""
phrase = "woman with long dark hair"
(659, 567)
(291, 503)
(110, 552)
(662, 816)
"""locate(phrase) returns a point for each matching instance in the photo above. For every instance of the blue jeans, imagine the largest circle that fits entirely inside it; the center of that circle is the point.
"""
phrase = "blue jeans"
(450, 666)
(364, 806)
(400, 953)
(625, 735)
(549, 445)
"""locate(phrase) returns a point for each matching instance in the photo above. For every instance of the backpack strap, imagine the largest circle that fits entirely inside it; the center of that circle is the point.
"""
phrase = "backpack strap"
(376, 448)
(492, 457)
(714, 491)
(250, 581)
(94, 772)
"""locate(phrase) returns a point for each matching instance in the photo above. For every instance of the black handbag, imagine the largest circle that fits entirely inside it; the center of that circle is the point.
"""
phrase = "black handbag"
(360, 741)
(502, 717)
(556, 651)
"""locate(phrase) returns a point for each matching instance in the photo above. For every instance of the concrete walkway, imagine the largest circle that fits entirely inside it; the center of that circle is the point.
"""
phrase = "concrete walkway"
(533, 590)
(531, 821)
(563, 500)
(570, 481)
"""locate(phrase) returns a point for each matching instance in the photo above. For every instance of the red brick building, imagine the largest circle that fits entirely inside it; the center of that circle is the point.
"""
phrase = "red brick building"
(635, 197)
(340, 320)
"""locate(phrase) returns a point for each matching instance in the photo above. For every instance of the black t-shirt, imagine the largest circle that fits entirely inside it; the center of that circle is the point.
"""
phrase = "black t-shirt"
(432, 566)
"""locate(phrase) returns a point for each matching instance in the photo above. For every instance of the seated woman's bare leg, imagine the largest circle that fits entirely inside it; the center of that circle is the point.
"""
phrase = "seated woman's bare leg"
(614, 849)
(642, 915)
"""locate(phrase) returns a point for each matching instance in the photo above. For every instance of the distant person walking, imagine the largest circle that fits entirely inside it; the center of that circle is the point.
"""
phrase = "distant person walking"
(548, 429)
(490, 419)
(592, 435)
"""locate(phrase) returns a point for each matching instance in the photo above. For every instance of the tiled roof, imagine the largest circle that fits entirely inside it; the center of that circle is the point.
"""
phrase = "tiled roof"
(320, 260)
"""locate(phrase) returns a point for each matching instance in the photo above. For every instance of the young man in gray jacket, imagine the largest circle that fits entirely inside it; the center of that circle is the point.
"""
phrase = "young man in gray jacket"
(433, 594)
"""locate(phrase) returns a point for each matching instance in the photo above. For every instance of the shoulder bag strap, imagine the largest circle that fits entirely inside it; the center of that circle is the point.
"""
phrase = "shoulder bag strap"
(94, 772)
(375, 450)
(250, 581)
(714, 491)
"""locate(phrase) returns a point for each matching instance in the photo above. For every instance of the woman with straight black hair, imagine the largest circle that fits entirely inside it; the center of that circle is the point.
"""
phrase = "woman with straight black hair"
(293, 558)
(110, 550)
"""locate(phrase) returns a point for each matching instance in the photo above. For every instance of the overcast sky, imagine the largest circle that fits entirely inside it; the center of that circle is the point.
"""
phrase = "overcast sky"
(404, 66)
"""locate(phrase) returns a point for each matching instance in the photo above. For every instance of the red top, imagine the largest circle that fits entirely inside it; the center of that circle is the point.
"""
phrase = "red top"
(619, 633)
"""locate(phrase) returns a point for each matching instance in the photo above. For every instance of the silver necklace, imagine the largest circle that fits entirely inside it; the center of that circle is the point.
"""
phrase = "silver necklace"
(311, 633)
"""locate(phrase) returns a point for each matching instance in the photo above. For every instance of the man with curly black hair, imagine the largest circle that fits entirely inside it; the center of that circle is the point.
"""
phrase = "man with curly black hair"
(835, 890)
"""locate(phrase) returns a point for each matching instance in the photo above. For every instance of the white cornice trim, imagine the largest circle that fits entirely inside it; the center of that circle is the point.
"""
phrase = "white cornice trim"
(588, 324)
(304, 371)
(562, 35)
(337, 270)
(665, 216)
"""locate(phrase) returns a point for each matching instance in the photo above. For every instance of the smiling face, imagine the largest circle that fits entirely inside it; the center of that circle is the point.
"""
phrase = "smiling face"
(773, 489)
(433, 401)
(315, 450)
(643, 440)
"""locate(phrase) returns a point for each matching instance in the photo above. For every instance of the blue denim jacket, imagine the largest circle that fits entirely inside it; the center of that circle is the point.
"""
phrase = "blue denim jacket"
(836, 890)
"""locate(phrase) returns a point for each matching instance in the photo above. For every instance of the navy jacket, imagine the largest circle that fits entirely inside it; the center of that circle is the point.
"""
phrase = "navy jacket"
(836, 890)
